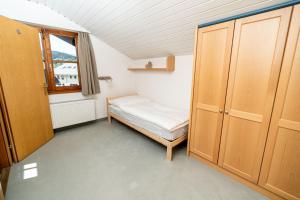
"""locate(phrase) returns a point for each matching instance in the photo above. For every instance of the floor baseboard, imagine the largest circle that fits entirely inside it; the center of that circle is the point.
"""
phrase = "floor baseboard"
(79, 125)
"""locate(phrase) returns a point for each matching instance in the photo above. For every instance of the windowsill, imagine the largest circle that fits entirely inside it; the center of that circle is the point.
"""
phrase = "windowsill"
(68, 97)
(63, 92)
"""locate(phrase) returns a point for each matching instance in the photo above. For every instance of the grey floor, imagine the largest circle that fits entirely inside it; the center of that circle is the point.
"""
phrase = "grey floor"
(111, 161)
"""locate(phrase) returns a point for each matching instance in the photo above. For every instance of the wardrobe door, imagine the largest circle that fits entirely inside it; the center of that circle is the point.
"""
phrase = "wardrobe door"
(281, 165)
(257, 52)
(210, 82)
(22, 83)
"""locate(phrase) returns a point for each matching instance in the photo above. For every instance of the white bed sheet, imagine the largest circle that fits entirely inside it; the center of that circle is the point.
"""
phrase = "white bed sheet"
(144, 108)
(166, 117)
(129, 100)
(168, 135)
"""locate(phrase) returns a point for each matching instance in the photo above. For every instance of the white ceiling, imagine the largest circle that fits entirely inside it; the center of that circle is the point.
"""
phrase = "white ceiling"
(150, 28)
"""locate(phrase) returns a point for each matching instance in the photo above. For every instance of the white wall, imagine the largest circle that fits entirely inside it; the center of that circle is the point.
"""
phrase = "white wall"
(109, 61)
(172, 89)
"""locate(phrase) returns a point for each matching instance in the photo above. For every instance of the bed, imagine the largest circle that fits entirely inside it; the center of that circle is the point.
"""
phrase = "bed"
(163, 124)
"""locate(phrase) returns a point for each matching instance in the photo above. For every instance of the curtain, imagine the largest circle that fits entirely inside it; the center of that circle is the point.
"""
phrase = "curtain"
(87, 65)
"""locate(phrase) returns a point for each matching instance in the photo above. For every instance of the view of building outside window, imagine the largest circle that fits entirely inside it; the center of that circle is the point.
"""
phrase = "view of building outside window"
(66, 74)
(64, 59)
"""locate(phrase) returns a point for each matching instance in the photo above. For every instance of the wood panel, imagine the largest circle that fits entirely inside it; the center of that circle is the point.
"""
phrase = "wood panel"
(210, 82)
(192, 92)
(281, 165)
(5, 125)
(170, 66)
(147, 29)
(5, 153)
(4, 160)
(258, 48)
(22, 78)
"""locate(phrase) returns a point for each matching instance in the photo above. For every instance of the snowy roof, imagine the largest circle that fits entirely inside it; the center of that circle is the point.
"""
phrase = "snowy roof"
(66, 69)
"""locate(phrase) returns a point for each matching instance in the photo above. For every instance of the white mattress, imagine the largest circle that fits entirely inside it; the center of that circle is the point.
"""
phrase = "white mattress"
(148, 125)
(166, 117)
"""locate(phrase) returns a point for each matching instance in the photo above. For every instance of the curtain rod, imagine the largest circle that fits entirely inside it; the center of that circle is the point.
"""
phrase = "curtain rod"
(250, 13)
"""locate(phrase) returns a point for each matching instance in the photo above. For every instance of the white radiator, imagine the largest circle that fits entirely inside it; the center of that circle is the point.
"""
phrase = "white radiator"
(73, 112)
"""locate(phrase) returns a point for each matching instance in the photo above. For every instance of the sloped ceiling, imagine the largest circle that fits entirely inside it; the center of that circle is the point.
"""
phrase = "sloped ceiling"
(149, 28)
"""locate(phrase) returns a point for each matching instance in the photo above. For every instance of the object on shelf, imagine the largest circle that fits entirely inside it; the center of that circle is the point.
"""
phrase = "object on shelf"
(148, 65)
(170, 66)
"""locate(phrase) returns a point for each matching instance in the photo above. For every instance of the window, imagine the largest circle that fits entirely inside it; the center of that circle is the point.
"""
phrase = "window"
(59, 50)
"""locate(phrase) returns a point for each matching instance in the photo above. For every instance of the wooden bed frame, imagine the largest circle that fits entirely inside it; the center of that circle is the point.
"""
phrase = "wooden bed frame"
(163, 141)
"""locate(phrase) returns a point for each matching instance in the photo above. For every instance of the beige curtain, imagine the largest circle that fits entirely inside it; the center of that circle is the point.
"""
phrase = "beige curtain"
(87, 65)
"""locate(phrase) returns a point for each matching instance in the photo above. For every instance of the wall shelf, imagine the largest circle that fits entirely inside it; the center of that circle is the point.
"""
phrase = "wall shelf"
(170, 66)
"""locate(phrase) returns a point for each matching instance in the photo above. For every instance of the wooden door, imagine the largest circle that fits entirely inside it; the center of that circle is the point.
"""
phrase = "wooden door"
(22, 78)
(4, 159)
(210, 82)
(5, 154)
(258, 48)
(281, 165)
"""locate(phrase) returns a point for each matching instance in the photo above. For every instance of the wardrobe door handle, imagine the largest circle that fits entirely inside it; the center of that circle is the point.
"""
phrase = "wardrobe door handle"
(226, 112)
(220, 111)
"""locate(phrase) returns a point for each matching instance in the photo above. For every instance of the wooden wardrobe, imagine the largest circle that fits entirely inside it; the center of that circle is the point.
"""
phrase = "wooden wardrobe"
(25, 121)
(245, 111)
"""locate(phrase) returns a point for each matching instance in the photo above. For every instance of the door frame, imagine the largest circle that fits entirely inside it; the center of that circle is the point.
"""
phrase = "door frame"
(6, 130)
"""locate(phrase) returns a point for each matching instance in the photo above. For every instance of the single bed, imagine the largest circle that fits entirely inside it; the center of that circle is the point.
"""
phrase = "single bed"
(160, 123)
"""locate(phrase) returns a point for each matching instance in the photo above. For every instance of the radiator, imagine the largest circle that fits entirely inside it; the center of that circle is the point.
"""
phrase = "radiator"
(74, 112)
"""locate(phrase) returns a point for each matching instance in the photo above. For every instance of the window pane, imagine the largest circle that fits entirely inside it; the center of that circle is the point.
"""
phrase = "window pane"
(63, 48)
(66, 74)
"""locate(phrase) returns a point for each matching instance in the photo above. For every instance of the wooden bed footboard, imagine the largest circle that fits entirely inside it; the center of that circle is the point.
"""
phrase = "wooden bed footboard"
(169, 144)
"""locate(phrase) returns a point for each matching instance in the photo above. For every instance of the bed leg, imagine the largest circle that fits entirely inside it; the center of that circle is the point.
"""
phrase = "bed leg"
(169, 152)
(109, 118)
(188, 147)
(107, 110)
